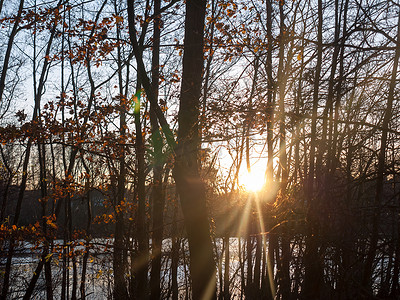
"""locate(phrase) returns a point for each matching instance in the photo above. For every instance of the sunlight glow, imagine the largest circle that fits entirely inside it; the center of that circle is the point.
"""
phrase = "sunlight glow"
(252, 181)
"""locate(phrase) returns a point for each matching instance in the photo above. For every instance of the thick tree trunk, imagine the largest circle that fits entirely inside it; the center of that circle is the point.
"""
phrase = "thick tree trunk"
(186, 172)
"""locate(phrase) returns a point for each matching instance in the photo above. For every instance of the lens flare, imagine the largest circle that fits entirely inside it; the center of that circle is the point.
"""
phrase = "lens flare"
(252, 181)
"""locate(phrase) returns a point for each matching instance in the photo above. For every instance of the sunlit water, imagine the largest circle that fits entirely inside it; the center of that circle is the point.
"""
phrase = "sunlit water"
(99, 274)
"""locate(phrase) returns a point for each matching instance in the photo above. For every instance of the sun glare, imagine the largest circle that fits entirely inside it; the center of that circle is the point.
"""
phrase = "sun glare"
(252, 181)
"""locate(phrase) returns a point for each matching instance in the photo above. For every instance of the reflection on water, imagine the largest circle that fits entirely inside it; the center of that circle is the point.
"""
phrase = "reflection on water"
(99, 273)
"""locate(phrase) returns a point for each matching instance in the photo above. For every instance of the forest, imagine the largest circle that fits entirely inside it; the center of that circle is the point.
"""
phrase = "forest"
(199, 149)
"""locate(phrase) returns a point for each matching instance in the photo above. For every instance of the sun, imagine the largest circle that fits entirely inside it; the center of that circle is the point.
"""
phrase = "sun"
(252, 181)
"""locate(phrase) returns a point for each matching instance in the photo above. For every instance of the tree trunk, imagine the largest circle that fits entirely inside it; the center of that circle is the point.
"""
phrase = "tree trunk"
(381, 169)
(175, 250)
(186, 172)
(120, 287)
(157, 188)
(10, 44)
(226, 295)
(142, 233)
(270, 98)
(312, 279)
(38, 96)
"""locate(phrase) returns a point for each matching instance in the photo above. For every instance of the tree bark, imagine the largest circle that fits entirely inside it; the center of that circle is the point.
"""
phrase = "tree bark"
(120, 287)
(186, 172)
(157, 143)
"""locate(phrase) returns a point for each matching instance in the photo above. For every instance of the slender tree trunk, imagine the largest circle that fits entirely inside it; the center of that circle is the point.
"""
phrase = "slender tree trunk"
(157, 191)
(38, 96)
(332, 151)
(120, 287)
(272, 259)
(282, 89)
(241, 253)
(82, 287)
(43, 188)
(329, 112)
(368, 269)
(7, 185)
(143, 242)
(35, 277)
(312, 279)
(257, 263)
(270, 97)
(283, 264)
(394, 292)
(74, 272)
(207, 71)
(270, 112)
(175, 250)
(72, 157)
(226, 294)
(249, 257)
(249, 118)
(10, 44)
